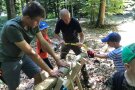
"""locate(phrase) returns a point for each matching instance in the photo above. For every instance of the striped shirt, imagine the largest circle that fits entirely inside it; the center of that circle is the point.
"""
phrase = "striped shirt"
(116, 56)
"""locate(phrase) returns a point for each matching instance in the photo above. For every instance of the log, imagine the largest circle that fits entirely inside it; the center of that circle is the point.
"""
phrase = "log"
(51, 82)
(71, 74)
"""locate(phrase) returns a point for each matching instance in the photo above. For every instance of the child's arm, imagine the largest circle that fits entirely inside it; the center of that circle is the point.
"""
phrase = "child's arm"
(93, 54)
(100, 55)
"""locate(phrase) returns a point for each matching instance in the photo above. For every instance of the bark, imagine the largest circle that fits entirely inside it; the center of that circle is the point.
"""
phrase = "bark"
(10, 5)
(101, 15)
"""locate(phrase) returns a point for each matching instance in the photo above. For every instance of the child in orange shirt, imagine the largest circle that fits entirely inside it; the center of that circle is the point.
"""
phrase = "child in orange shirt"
(43, 27)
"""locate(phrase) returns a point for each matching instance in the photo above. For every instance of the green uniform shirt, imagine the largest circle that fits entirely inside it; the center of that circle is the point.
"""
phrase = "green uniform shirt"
(13, 32)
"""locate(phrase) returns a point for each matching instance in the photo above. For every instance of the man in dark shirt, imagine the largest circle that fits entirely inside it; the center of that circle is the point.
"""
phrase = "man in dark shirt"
(16, 54)
(125, 80)
(70, 29)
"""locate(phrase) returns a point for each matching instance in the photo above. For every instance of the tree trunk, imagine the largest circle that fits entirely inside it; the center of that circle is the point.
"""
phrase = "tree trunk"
(58, 9)
(71, 7)
(10, 5)
(101, 15)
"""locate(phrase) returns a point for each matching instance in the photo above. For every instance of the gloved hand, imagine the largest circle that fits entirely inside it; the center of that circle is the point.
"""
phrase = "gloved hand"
(90, 54)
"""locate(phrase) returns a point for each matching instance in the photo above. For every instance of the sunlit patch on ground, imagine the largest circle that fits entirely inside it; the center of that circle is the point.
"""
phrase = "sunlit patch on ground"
(127, 32)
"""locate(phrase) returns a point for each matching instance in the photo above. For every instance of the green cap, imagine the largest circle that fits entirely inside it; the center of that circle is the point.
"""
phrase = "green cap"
(128, 53)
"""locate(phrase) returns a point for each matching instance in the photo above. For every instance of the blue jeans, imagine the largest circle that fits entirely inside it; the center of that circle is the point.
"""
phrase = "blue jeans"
(11, 71)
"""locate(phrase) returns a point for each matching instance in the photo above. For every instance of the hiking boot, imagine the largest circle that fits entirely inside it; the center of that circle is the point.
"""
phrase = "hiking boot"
(85, 84)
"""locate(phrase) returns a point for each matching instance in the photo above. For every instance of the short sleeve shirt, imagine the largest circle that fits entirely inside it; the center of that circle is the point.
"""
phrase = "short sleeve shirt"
(70, 31)
(39, 49)
(116, 56)
(13, 32)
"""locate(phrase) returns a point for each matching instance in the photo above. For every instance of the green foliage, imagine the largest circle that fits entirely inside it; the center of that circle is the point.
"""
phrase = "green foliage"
(18, 7)
(50, 15)
(115, 6)
(2, 6)
(81, 8)
(92, 8)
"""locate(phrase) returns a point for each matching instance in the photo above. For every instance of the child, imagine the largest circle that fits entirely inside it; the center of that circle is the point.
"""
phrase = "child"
(113, 40)
(43, 27)
(125, 80)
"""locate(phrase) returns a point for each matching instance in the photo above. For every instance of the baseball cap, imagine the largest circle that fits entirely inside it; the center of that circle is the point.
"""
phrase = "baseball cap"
(112, 37)
(128, 53)
(43, 25)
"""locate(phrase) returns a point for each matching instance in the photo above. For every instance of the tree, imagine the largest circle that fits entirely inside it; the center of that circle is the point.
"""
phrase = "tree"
(10, 5)
(101, 14)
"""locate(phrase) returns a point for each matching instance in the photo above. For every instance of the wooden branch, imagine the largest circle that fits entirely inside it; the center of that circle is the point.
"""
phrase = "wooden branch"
(59, 83)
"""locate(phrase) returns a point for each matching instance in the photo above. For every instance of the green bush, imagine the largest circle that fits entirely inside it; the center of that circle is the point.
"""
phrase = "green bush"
(50, 15)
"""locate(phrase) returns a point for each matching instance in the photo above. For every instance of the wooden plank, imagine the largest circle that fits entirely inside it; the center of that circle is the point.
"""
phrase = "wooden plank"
(77, 69)
(47, 84)
(78, 83)
(44, 75)
(71, 85)
(50, 82)
(59, 83)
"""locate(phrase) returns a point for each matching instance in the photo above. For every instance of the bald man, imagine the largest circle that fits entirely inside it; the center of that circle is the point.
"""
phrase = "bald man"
(70, 29)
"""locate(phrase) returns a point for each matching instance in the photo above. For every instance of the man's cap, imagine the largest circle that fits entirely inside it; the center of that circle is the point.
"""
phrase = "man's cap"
(128, 53)
(112, 37)
(43, 25)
